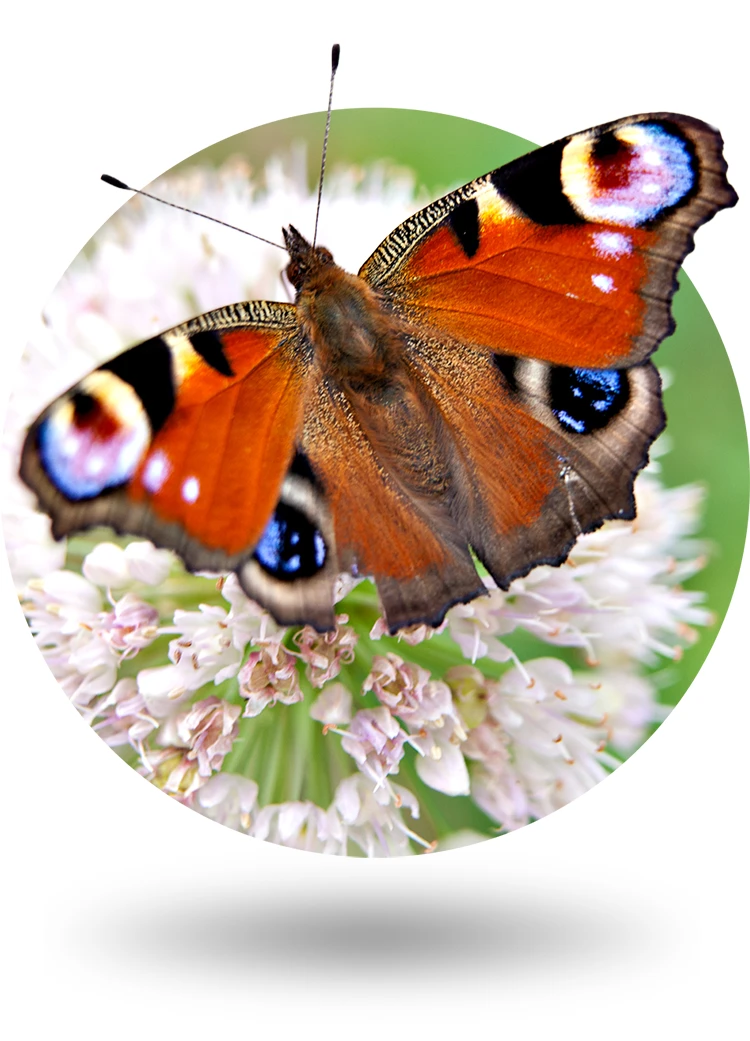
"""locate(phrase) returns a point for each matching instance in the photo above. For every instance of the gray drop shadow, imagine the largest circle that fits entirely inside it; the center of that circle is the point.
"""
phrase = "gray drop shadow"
(268, 933)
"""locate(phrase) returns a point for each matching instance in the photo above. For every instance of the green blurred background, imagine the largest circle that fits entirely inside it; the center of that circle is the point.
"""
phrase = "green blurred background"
(705, 422)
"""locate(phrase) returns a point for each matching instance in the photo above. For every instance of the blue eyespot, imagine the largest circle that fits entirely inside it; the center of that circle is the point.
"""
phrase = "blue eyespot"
(94, 438)
(584, 400)
(291, 547)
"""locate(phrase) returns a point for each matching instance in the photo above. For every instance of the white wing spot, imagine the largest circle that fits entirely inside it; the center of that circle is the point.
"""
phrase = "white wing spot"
(191, 489)
(603, 282)
(155, 472)
(612, 243)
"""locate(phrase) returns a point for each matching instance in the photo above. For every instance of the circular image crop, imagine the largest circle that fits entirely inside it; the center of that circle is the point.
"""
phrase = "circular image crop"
(350, 740)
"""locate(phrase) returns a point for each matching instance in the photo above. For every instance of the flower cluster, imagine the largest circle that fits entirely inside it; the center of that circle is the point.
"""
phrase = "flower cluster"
(519, 738)
(347, 741)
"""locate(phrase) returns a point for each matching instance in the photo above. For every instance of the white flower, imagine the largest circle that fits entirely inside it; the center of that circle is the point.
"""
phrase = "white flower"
(106, 566)
(121, 717)
(376, 742)
(413, 634)
(301, 825)
(374, 818)
(163, 690)
(227, 799)
(469, 689)
(28, 542)
(628, 705)
(426, 706)
(203, 652)
(65, 614)
(208, 729)
(333, 706)
(475, 627)
(268, 677)
(325, 653)
(442, 765)
(172, 770)
(132, 625)
(247, 621)
(112, 567)
(405, 689)
(542, 744)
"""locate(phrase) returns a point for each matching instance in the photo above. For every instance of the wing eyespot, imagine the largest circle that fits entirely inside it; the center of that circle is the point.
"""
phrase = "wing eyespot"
(291, 546)
(93, 438)
(630, 175)
(585, 400)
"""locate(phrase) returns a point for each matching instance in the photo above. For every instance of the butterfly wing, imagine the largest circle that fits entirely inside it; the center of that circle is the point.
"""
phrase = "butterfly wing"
(534, 296)
(189, 440)
(526, 482)
(388, 495)
(568, 254)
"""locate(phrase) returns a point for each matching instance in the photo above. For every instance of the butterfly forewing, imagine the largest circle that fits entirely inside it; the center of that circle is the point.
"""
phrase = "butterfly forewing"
(568, 254)
(185, 438)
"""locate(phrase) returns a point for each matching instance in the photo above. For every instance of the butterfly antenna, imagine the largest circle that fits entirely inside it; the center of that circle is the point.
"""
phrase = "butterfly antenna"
(119, 184)
(335, 53)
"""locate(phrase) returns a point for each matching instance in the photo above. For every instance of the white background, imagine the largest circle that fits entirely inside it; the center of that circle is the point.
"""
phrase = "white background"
(127, 915)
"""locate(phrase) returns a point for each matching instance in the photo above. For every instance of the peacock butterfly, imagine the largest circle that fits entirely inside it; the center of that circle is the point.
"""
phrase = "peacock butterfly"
(481, 385)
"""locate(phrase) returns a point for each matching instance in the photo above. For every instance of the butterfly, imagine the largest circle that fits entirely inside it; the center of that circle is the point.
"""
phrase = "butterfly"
(481, 390)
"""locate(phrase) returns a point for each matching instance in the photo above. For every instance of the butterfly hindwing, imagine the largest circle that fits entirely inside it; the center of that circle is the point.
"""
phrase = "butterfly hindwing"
(568, 254)
(387, 489)
(539, 453)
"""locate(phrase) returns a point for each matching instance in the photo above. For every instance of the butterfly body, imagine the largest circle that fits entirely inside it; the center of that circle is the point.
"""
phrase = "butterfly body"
(482, 384)
(352, 337)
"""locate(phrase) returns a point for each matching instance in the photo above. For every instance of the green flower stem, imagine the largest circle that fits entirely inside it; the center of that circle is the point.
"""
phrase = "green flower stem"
(314, 761)
(270, 777)
(300, 761)
(250, 765)
(319, 785)
(243, 757)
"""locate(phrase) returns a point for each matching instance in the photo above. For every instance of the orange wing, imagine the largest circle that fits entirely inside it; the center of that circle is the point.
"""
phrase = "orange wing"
(185, 439)
(568, 254)
(387, 493)
(531, 299)
(536, 461)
